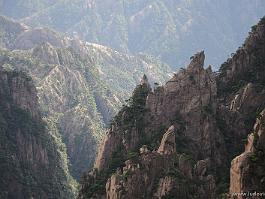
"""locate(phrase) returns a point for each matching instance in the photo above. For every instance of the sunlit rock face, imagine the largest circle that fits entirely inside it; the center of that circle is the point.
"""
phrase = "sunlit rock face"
(136, 127)
(192, 127)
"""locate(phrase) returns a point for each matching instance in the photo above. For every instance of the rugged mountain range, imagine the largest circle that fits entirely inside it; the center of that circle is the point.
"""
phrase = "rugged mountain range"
(169, 29)
(181, 139)
(178, 140)
(80, 85)
(33, 161)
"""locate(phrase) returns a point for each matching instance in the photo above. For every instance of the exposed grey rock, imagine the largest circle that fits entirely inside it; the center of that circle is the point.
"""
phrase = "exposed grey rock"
(168, 144)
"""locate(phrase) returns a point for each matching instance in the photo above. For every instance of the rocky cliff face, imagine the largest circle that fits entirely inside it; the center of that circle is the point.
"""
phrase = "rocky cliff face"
(159, 174)
(189, 100)
(31, 164)
(248, 170)
(187, 151)
(80, 85)
(243, 74)
(208, 116)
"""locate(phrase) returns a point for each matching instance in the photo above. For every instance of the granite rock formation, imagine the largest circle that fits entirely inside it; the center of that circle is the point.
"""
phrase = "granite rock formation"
(210, 114)
(168, 168)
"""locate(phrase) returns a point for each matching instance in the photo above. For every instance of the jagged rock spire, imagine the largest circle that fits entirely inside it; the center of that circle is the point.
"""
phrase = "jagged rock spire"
(168, 144)
(209, 69)
(144, 81)
(197, 60)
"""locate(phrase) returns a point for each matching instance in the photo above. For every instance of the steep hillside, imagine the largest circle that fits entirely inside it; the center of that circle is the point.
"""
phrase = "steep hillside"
(170, 29)
(80, 85)
(33, 161)
(178, 140)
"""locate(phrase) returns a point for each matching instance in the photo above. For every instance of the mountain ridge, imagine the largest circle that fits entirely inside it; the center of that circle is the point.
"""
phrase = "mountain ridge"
(80, 85)
(170, 30)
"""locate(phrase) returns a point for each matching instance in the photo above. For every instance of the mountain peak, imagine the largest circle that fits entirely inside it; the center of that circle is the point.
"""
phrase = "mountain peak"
(144, 80)
(197, 60)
